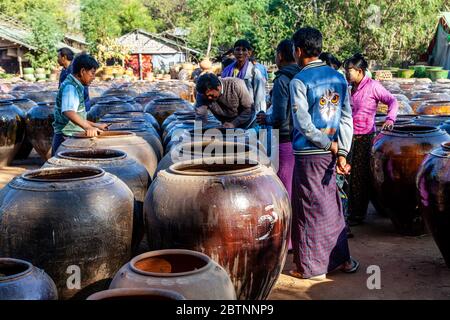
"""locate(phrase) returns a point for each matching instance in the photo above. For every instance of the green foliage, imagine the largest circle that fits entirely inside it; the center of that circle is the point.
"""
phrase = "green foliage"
(45, 36)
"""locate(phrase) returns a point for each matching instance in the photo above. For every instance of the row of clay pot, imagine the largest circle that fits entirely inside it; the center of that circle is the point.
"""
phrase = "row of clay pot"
(172, 274)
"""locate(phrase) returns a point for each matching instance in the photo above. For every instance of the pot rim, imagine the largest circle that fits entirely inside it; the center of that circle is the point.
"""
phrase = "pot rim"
(115, 134)
(30, 175)
(119, 292)
(202, 256)
(17, 275)
(4, 103)
(402, 131)
(182, 146)
(446, 145)
(119, 154)
(174, 168)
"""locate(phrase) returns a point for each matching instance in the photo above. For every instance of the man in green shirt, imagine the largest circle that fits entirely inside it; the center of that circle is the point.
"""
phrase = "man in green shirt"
(70, 109)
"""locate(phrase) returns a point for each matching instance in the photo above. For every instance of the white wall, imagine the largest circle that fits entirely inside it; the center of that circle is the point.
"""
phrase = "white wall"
(167, 60)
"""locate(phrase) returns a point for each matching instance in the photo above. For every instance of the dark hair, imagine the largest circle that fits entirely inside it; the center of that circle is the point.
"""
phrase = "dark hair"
(207, 82)
(309, 40)
(243, 43)
(84, 61)
(66, 52)
(285, 49)
(356, 61)
(330, 60)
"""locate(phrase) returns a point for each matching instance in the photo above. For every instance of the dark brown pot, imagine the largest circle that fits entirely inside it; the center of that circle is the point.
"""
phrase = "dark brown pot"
(120, 92)
(433, 184)
(62, 227)
(25, 149)
(119, 164)
(136, 115)
(446, 126)
(136, 294)
(239, 215)
(149, 96)
(41, 96)
(162, 108)
(39, 126)
(431, 120)
(135, 147)
(104, 107)
(396, 157)
(12, 131)
(20, 280)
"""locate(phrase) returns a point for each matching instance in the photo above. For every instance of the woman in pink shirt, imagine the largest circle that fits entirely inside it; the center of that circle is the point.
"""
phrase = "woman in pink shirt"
(365, 96)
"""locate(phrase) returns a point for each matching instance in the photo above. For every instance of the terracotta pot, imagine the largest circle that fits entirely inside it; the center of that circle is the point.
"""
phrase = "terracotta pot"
(162, 108)
(178, 115)
(396, 157)
(119, 164)
(39, 128)
(135, 115)
(431, 120)
(379, 121)
(104, 107)
(205, 64)
(192, 274)
(41, 96)
(24, 104)
(434, 108)
(433, 184)
(135, 147)
(87, 236)
(199, 206)
(12, 133)
(20, 280)
(136, 294)
(179, 128)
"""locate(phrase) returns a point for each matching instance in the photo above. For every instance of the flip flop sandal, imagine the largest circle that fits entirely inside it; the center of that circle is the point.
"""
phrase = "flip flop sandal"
(354, 268)
(296, 274)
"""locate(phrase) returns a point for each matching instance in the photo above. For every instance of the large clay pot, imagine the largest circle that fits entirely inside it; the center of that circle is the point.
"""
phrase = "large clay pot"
(192, 274)
(433, 184)
(446, 126)
(431, 120)
(120, 92)
(149, 96)
(136, 294)
(212, 149)
(20, 280)
(25, 149)
(162, 108)
(41, 96)
(24, 104)
(396, 157)
(39, 127)
(68, 221)
(135, 115)
(119, 164)
(434, 108)
(135, 147)
(178, 128)
(238, 214)
(104, 107)
(12, 131)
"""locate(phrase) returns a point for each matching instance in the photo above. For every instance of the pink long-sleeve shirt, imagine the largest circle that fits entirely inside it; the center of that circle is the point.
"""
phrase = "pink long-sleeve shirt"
(364, 102)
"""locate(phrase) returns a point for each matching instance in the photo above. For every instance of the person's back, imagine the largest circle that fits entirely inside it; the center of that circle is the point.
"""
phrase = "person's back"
(326, 92)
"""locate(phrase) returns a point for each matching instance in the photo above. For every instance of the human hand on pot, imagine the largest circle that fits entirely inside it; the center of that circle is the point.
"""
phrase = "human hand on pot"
(388, 125)
(92, 132)
(102, 126)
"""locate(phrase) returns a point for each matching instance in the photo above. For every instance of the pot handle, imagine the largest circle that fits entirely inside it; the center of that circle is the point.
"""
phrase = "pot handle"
(272, 218)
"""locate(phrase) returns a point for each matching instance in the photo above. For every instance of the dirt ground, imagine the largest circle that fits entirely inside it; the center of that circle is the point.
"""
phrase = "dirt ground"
(410, 267)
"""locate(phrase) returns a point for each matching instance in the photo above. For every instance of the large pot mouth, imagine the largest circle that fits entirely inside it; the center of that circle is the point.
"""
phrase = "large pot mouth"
(211, 167)
(118, 120)
(136, 294)
(93, 155)
(112, 102)
(11, 269)
(63, 174)
(4, 103)
(213, 131)
(446, 146)
(214, 148)
(414, 130)
(19, 100)
(170, 263)
(106, 135)
(168, 100)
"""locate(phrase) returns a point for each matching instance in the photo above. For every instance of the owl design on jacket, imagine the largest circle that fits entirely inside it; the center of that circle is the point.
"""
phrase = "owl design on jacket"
(328, 105)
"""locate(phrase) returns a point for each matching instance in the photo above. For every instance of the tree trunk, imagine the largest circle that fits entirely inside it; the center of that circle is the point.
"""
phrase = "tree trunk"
(210, 37)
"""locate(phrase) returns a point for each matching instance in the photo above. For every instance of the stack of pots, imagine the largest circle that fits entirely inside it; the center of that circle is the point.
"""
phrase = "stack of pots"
(433, 185)
(119, 164)
(396, 157)
(237, 214)
(82, 245)
(12, 133)
(104, 107)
